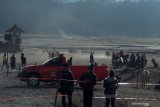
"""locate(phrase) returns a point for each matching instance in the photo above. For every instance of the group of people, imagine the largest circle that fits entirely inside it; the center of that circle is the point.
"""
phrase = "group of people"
(12, 61)
(53, 53)
(87, 81)
(138, 61)
(87, 52)
(134, 60)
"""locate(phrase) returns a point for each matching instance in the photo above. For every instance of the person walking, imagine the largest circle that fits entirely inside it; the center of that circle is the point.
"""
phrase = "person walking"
(143, 61)
(5, 62)
(23, 60)
(66, 85)
(13, 62)
(110, 84)
(87, 82)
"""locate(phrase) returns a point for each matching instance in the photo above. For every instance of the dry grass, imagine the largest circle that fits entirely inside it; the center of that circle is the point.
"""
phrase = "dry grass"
(14, 93)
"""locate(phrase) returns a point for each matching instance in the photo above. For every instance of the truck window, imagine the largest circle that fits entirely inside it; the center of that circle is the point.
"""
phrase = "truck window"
(54, 62)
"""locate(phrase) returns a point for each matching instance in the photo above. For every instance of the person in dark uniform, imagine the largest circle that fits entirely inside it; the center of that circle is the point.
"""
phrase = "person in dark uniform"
(91, 58)
(87, 82)
(138, 61)
(132, 60)
(66, 87)
(110, 84)
(13, 61)
(23, 60)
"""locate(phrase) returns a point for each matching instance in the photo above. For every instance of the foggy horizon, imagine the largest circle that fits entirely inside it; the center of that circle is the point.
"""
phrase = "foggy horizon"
(128, 18)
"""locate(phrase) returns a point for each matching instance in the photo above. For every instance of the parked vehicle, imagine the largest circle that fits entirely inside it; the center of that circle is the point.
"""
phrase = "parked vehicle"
(49, 70)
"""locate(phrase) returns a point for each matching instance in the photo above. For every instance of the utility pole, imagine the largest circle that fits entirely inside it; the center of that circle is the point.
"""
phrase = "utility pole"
(7, 59)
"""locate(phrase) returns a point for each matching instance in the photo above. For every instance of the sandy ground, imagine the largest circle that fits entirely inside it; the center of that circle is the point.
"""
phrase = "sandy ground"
(14, 93)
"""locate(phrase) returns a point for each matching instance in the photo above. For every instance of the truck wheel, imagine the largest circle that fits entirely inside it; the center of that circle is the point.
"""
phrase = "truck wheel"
(33, 80)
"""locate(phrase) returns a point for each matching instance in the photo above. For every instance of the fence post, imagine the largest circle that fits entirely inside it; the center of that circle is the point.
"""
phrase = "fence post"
(19, 68)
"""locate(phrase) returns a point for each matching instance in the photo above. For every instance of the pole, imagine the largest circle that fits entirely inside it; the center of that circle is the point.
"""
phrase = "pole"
(19, 68)
(57, 90)
(7, 60)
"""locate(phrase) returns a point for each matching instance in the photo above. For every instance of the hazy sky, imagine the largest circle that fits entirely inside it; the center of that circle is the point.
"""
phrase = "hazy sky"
(49, 17)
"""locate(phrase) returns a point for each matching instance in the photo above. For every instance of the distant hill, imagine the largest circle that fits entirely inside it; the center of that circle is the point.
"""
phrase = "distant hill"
(82, 17)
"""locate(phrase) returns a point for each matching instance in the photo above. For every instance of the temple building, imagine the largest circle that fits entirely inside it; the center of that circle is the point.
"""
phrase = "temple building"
(12, 38)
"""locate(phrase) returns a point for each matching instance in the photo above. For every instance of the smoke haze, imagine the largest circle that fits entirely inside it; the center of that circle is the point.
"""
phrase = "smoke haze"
(82, 17)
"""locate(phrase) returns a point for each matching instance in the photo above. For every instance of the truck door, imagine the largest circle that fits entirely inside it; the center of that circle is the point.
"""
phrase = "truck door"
(52, 68)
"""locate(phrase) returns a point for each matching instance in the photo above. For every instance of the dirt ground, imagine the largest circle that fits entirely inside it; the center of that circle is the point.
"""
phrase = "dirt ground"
(15, 93)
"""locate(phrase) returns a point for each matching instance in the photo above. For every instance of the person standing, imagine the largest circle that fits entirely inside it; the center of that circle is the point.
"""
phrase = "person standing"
(66, 85)
(132, 60)
(110, 84)
(154, 62)
(23, 60)
(121, 53)
(87, 82)
(143, 61)
(69, 61)
(138, 61)
(113, 58)
(5, 62)
(13, 62)
(91, 58)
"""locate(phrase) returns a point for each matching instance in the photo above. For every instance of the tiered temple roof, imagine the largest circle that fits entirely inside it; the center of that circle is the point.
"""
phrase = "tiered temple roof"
(15, 29)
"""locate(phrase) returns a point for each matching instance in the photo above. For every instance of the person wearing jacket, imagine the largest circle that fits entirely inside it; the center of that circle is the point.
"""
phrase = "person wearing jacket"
(5, 61)
(66, 85)
(87, 82)
(110, 84)
(13, 62)
(23, 60)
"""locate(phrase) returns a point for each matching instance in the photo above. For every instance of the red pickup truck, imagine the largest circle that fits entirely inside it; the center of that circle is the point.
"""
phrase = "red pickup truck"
(48, 71)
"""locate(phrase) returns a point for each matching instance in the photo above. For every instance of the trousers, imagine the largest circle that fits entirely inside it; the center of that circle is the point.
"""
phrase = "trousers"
(108, 100)
(87, 98)
(69, 96)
